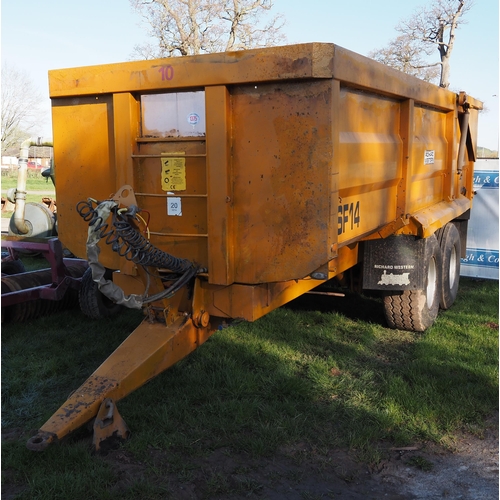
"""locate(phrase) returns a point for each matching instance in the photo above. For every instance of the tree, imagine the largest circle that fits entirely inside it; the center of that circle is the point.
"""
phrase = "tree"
(20, 108)
(189, 27)
(404, 55)
(430, 28)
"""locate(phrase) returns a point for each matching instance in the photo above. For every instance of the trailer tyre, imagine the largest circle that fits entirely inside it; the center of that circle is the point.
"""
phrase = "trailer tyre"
(449, 241)
(13, 266)
(93, 303)
(416, 310)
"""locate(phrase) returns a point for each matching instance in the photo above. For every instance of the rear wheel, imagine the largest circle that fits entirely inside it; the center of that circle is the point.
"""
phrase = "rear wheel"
(416, 310)
(93, 302)
(449, 241)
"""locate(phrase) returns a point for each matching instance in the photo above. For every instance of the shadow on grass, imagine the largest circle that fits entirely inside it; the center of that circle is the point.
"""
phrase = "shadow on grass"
(354, 306)
(318, 371)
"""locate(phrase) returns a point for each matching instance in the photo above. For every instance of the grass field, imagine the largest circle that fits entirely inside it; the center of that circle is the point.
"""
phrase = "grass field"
(35, 181)
(323, 372)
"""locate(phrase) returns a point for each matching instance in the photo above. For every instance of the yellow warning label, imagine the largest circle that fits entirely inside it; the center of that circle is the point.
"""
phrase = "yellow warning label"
(173, 173)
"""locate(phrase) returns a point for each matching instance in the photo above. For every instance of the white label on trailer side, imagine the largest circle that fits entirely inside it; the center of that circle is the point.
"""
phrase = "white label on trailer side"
(428, 157)
(174, 206)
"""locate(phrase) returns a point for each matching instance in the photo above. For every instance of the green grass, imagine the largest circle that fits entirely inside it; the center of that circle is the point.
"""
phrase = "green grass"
(35, 181)
(320, 371)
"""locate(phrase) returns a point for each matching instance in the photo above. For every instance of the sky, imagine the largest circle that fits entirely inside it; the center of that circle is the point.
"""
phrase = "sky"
(37, 36)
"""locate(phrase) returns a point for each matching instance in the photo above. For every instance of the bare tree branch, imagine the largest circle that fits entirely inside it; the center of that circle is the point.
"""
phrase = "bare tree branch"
(404, 55)
(243, 16)
(434, 27)
(188, 27)
(430, 28)
(21, 112)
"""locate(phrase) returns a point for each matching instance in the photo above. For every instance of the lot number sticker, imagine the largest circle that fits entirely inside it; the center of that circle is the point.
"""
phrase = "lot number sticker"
(174, 206)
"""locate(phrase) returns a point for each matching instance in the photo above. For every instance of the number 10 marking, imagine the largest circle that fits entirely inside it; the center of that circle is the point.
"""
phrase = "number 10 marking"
(167, 72)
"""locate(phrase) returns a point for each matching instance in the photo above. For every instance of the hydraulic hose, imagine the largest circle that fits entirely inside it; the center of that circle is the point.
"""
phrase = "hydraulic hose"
(129, 243)
(125, 240)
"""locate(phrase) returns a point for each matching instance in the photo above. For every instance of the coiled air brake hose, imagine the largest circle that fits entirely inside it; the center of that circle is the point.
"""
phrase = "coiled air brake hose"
(129, 243)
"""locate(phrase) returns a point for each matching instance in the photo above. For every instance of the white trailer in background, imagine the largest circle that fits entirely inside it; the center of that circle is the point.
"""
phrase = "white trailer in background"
(481, 260)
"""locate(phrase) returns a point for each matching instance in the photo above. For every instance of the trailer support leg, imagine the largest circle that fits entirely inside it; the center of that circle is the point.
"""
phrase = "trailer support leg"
(109, 427)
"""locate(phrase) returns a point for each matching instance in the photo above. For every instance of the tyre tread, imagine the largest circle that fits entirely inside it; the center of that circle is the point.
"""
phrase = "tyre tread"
(92, 300)
(406, 310)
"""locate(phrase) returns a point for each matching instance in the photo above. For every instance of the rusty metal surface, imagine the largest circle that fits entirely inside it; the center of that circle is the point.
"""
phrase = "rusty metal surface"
(311, 60)
(282, 164)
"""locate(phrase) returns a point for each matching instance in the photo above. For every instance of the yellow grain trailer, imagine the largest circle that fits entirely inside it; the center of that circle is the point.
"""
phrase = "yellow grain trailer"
(222, 186)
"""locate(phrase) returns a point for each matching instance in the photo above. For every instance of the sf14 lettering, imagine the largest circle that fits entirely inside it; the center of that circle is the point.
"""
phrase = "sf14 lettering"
(348, 216)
